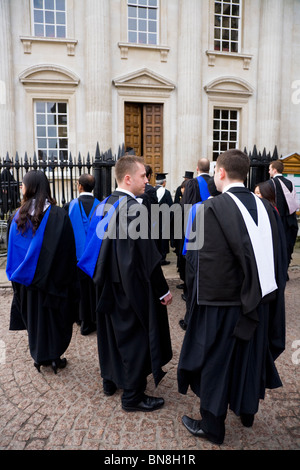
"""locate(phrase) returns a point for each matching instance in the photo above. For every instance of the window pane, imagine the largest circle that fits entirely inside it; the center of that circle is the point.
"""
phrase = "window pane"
(38, 16)
(41, 131)
(52, 143)
(51, 107)
(152, 39)
(132, 12)
(38, 4)
(152, 14)
(63, 132)
(40, 107)
(218, 7)
(142, 38)
(50, 31)
(142, 12)
(132, 37)
(49, 4)
(38, 30)
(60, 5)
(61, 31)
(42, 143)
(132, 24)
(52, 132)
(62, 120)
(60, 18)
(40, 119)
(152, 26)
(152, 3)
(142, 25)
(49, 17)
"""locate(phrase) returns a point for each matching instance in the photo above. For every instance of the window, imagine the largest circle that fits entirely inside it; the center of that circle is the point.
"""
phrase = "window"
(225, 131)
(51, 125)
(49, 18)
(143, 21)
(227, 23)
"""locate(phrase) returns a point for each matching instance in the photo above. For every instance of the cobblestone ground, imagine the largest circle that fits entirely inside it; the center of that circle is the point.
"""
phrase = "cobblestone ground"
(69, 411)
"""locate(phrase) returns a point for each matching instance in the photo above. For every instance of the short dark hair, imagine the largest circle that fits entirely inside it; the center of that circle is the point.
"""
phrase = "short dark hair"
(87, 181)
(236, 163)
(149, 170)
(126, 165)
(278, 165)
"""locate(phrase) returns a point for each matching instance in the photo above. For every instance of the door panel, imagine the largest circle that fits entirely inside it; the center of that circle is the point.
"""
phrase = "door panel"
(144, 133)
(133, 127)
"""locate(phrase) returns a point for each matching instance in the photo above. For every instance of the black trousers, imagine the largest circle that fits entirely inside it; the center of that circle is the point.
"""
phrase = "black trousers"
(213, 425)
(130, 397)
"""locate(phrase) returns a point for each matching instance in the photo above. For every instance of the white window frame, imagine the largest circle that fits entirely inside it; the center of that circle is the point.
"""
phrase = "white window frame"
(148, 7)
(36, 125)
(239, 29)
(228, 141)
(44, 24)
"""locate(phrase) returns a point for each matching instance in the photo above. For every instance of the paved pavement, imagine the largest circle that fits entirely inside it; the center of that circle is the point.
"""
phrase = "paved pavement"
(69, 411)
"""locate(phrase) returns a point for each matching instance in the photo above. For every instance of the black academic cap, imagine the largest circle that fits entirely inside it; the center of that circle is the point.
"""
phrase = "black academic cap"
(189, 175)
(160, 176)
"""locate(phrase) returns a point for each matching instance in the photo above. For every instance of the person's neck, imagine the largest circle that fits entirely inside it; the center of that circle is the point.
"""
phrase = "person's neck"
(125, 190)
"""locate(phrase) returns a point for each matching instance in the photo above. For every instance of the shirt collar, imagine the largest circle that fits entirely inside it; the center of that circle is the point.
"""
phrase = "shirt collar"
(277, 174)
(85, 194)
(126, 192)
(233, 185)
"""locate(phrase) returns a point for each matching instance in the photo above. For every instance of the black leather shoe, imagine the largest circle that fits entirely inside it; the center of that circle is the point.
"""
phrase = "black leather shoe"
(247, 419)
(109, 388)
(183, 324)
(183, 297)
(147, 404)
(194, 426)
(180, 286)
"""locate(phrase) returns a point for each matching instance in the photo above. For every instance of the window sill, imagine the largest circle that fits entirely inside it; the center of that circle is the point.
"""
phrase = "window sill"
(125, 46)
(28, 40)
(246, 58)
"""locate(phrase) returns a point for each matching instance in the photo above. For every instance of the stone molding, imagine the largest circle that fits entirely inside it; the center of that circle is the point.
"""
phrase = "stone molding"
(125, 46)
(143, 79)
(27, 42)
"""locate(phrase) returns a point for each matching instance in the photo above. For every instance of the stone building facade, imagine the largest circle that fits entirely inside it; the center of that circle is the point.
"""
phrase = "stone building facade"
(174, 79)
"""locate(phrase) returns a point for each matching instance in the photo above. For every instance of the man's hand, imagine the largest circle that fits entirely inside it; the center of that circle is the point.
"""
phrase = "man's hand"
(167, 300)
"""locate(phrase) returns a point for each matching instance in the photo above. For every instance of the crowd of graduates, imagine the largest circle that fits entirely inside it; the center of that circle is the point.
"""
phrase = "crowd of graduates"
(65, 268)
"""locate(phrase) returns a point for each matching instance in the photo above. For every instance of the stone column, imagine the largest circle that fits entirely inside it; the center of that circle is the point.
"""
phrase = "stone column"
(189, 88)
(7, 117)
(98, 80)
(269, 75)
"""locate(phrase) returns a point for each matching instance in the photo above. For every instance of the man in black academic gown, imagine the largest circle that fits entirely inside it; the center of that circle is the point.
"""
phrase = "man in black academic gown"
(196, 188)
(81, 211)
(236, 327)
(288, 216)
(9, 188)
(132, 322)
(163, 197)
(195, 191)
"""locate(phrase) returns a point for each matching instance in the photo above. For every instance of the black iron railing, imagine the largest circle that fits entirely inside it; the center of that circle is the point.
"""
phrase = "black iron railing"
(62, 175)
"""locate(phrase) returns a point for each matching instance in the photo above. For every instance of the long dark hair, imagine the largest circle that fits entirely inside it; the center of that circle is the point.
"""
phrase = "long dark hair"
(37, 188)
(267, 191)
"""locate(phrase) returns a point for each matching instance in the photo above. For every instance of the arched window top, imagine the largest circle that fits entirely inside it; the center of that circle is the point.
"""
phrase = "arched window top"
(48, 75)
(229, 85)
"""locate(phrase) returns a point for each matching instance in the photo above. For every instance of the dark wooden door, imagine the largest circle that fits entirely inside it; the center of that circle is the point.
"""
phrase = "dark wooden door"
(144, 133)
